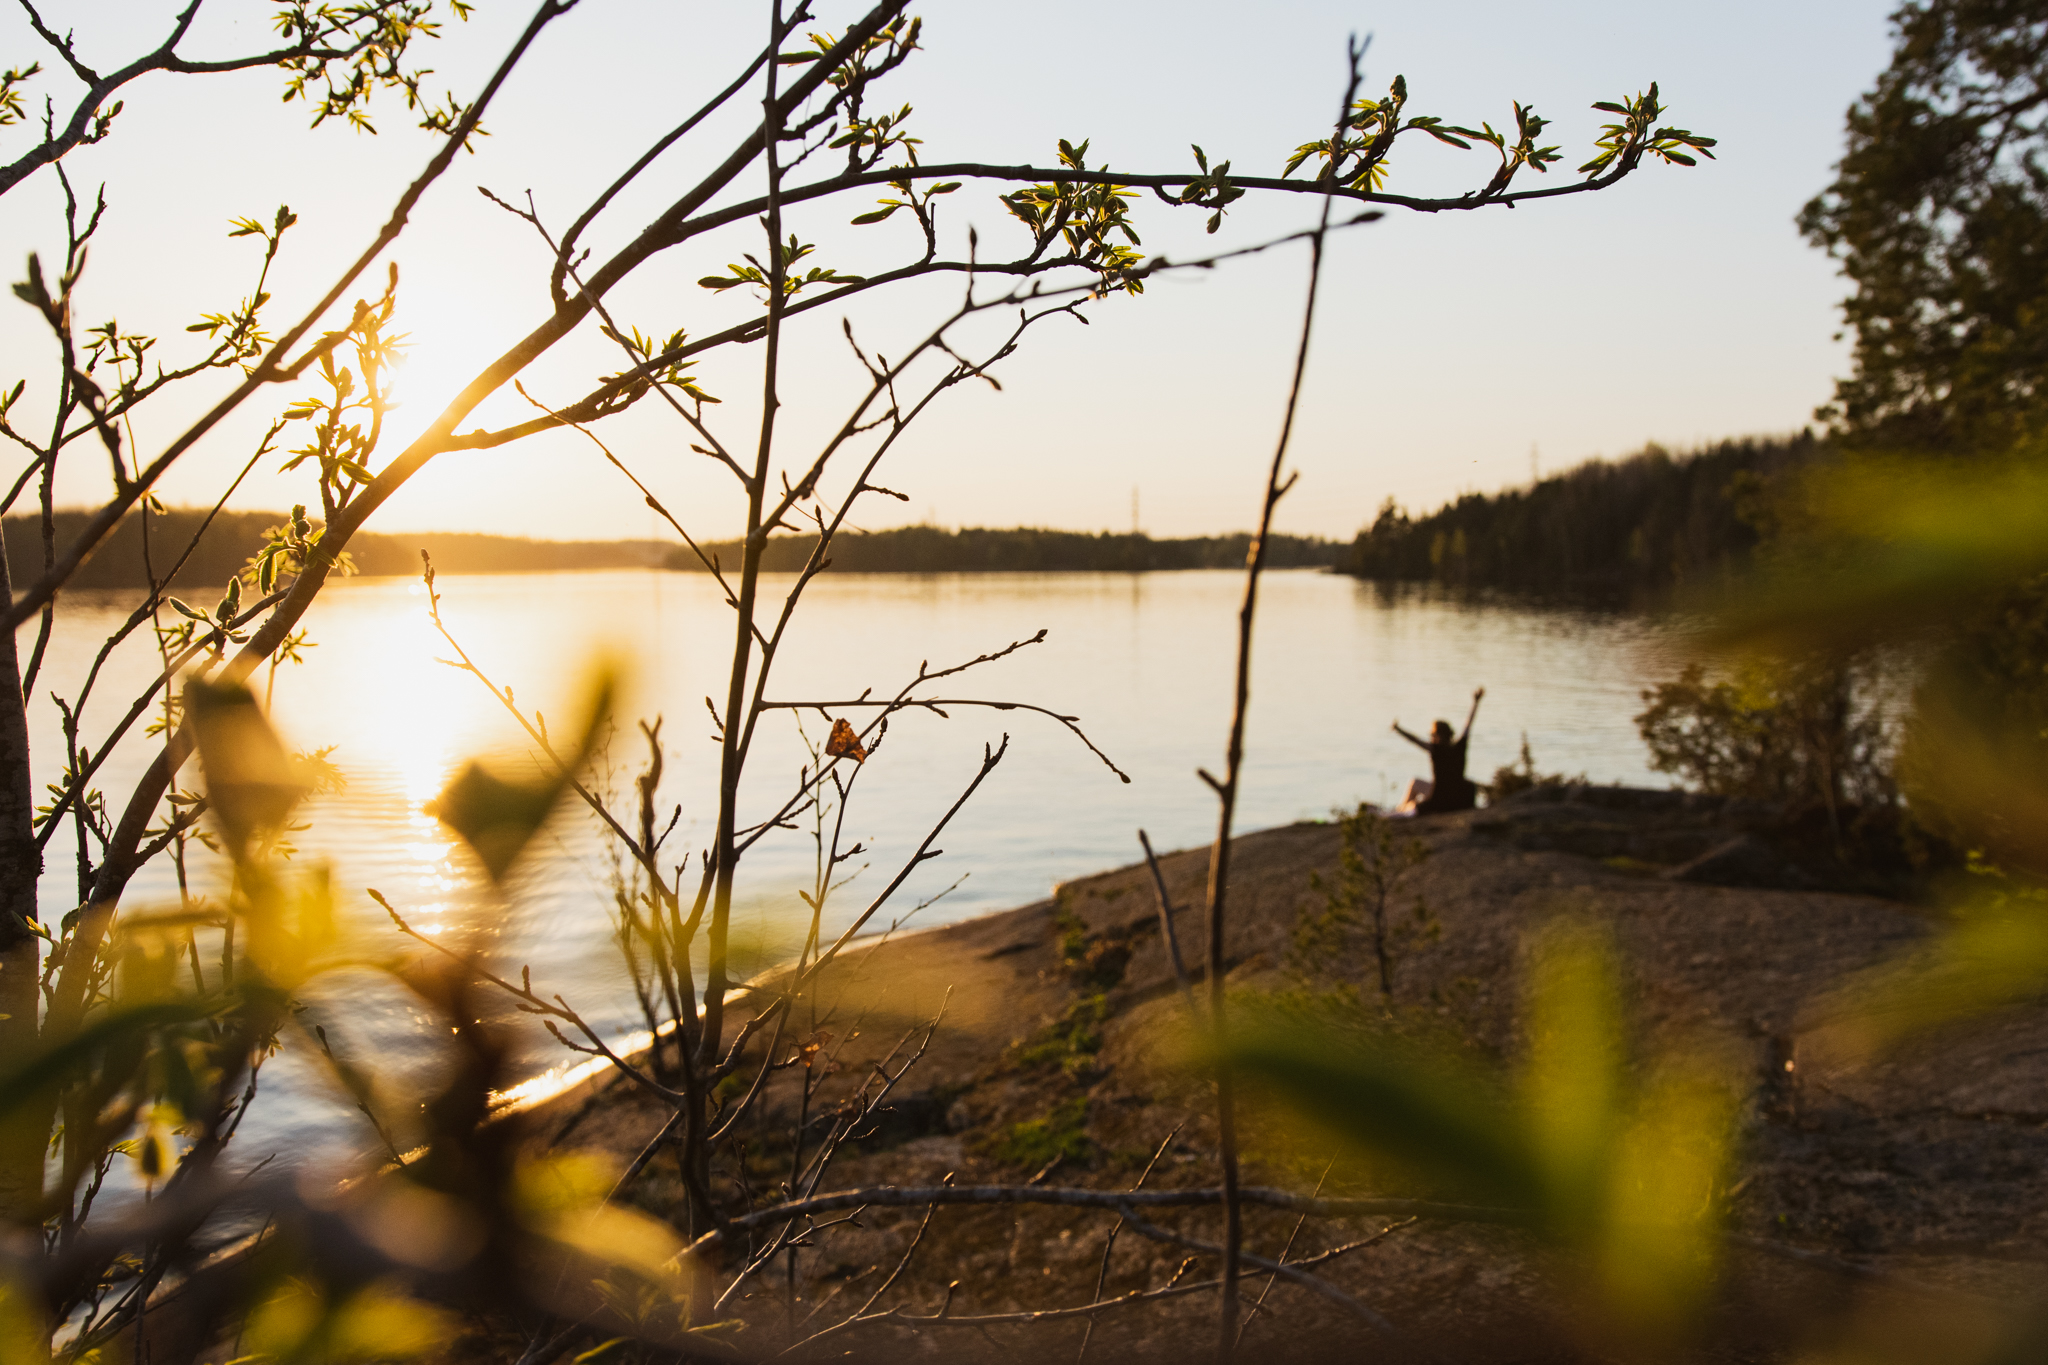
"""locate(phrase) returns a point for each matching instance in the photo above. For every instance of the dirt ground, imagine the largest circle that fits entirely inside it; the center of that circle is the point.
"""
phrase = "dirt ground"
(1891, 1211)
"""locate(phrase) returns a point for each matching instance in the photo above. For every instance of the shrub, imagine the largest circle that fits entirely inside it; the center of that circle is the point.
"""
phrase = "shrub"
(1976, 738)
(1512, 779)
(1802, 732)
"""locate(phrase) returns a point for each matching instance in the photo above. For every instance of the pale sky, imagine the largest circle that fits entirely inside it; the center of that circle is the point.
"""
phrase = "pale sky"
(1453, 351)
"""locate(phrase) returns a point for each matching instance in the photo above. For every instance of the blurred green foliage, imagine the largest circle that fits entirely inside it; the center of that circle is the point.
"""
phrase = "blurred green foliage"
(1614, 1157)
(160, 1061)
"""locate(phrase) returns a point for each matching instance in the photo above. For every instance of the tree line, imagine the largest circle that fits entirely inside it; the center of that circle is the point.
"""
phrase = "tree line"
(223, 548)
(974, 549)
(1627, 530)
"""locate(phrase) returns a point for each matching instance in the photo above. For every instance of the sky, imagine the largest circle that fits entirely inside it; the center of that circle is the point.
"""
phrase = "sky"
(1453, 352)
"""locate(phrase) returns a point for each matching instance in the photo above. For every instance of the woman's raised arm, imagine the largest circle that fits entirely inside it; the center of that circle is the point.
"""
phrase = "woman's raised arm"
(1478, 694)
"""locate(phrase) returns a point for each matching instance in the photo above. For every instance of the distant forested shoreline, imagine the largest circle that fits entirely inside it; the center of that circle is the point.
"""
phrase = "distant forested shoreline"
(1624, 531)
(233, 537)
(1621, 531)
(929, 549)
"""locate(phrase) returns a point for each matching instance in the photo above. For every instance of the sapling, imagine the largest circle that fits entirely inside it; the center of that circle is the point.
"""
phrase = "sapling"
(1372, 857)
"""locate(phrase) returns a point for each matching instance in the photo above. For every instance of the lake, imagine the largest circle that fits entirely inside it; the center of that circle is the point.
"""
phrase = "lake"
(1145, 662)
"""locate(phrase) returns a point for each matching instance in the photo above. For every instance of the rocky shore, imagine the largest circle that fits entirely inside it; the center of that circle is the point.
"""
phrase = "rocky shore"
(1911, 1191)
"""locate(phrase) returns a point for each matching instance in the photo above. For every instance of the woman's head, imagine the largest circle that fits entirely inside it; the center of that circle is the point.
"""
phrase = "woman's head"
(1441, 732)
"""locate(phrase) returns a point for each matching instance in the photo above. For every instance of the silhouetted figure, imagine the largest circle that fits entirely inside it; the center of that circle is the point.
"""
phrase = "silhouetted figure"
(1447, 789)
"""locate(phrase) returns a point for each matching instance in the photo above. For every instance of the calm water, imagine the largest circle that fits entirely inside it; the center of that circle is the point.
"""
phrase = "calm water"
(1145, 662)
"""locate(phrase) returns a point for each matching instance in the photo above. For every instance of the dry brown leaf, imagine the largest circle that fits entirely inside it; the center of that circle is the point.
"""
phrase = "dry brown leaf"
(844, 743)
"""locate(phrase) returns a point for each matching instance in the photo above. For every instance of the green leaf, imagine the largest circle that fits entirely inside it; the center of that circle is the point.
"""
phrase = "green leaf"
(251, 784)
(63, 1059)
(497, 817)
(1424, 1112)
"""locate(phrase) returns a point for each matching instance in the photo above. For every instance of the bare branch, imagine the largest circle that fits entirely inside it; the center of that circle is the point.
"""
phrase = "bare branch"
(272, 367)
(934, 704)
(1109, 1242)
(1227, 788)
(989, 760)
(1117, 1201)
(1166, 930)
(1299, 1276)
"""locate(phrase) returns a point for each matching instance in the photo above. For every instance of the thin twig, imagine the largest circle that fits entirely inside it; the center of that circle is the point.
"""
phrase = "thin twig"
(989, 759)
(1285, 1251)
(901, 1265)
(1301, 1277)
(898, 1196)
(1172, 1290)
(1072, 723)
(1109, 1242)
(1166, 930)
(1227, 789)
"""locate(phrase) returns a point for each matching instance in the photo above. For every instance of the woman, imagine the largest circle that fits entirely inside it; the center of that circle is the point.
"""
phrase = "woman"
(1447, 789)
